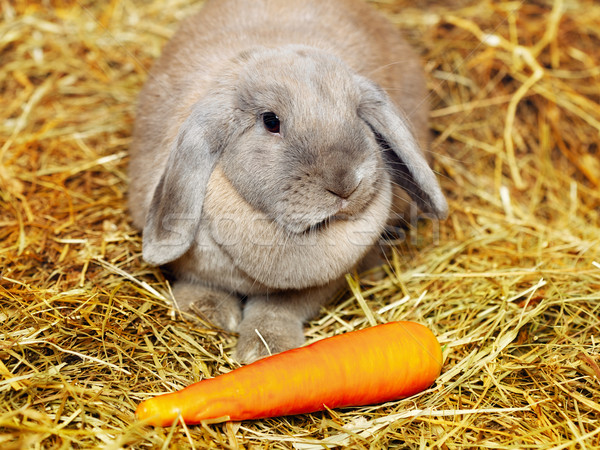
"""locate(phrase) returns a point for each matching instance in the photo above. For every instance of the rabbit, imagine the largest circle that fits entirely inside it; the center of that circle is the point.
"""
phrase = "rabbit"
(274, 140)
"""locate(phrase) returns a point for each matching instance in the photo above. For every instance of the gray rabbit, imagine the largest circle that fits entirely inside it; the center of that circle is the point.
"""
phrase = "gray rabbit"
(273, 142)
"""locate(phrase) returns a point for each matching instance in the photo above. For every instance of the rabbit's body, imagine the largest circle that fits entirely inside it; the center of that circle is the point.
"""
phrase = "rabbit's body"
(265, 159)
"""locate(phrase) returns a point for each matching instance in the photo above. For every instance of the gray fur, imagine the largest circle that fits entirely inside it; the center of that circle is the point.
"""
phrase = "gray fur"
(279, 219)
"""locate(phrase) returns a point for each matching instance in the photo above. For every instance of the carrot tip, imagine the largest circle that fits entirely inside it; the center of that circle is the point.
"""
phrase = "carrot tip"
(151, 412)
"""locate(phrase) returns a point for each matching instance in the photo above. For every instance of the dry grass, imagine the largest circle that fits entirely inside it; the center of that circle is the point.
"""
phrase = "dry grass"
(510, 282)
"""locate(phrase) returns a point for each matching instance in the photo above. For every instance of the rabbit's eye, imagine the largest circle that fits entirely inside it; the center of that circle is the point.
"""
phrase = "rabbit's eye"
(271, 122)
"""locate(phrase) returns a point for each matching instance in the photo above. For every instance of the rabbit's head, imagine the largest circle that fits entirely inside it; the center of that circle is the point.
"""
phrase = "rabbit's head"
(308, 146)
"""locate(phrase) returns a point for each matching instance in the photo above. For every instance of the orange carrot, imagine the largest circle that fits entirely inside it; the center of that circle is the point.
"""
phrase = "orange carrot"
(374, 365)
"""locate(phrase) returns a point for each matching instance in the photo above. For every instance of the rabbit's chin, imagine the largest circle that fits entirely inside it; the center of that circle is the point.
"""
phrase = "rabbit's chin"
(277, 258)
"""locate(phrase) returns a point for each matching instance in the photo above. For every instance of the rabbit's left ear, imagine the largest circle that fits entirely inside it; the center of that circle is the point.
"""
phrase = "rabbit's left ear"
(175, 211)
(407, 165)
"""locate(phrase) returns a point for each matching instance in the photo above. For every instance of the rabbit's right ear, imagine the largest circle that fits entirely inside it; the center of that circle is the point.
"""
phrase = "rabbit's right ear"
(408, 166)
(176, 207)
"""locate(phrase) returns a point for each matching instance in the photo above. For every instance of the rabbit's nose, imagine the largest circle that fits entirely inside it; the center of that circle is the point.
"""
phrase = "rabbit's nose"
(344, 184)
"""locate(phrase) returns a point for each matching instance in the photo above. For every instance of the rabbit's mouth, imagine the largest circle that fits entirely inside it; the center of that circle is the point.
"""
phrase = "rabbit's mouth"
(323, 224)
(301, 227)
(312, 222)
(306, 228)
(319, 226)
(304, 225)
(301, 219)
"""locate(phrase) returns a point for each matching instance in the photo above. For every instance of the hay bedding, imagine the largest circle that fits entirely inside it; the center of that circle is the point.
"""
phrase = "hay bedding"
(510, 282)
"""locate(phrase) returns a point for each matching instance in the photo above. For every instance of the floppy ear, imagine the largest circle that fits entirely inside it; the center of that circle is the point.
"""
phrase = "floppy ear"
(408, 167)
(176, 207)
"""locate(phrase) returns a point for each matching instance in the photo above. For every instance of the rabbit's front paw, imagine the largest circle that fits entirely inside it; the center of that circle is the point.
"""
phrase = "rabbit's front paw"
(260, 337)
(217, 307)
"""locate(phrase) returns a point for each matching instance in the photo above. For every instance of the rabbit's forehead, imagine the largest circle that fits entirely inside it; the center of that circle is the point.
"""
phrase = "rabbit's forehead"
(298, 85)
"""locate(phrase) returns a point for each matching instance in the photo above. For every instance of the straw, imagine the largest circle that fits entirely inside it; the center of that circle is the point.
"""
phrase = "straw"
(510, 282)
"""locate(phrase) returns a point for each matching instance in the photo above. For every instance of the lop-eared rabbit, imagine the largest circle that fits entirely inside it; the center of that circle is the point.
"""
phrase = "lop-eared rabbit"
(274, 140)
